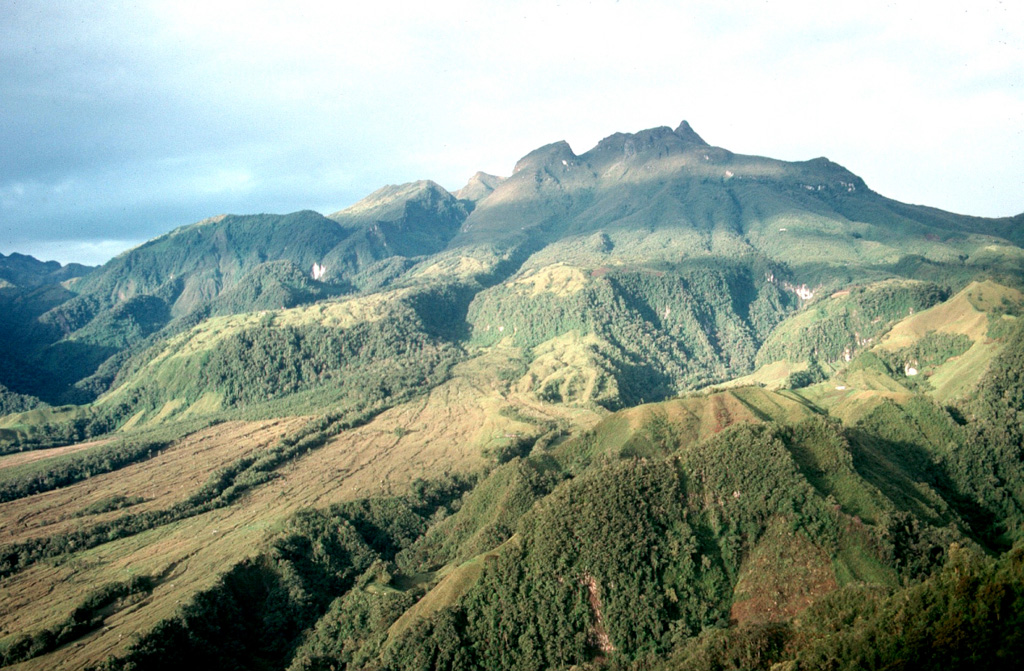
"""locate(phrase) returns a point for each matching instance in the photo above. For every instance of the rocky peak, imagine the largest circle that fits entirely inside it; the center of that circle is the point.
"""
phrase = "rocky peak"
(479, 187)
(389, 202)
(686, 133)
(646, 144)
(557, 153)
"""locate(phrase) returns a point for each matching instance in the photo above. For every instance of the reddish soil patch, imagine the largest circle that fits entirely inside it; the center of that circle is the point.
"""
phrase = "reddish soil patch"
(600, 633)
(784, 575)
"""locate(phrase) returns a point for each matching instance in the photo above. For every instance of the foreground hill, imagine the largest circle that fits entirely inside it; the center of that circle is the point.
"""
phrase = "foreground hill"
(406, 538)
(655, 404)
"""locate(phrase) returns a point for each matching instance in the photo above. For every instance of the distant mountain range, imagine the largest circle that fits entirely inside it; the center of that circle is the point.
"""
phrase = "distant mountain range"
(20, 270)
(655, 405)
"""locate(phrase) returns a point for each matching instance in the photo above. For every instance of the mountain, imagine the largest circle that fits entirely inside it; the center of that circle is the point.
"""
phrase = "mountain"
(405, 221)
(28, 289)
(659, 200)
(653, 405)
(21, 270)
(660, 195)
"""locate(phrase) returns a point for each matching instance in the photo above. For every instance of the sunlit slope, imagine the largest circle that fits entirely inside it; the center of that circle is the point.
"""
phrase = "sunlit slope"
(984, 312)
(457, 428)
(660, 194)
(349, 352)
(944, 352)
(655, 429)
(601, 555)
(610, 338)
(852, 351)
(901, 474)
(632, 333)
(834, 327)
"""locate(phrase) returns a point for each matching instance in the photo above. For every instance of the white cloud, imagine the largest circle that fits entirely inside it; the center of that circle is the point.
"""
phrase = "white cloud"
(86, 252)
(256, 106)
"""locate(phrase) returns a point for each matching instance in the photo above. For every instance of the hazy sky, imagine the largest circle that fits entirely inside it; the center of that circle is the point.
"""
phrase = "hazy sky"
(122, 120)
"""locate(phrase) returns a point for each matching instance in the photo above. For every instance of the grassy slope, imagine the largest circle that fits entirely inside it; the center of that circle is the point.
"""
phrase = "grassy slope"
(970, 313)
(167, 359)
(856, 389)
(977, 311)
(447, 430)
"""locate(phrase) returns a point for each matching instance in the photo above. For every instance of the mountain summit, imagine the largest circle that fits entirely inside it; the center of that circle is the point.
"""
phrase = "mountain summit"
(686, 133)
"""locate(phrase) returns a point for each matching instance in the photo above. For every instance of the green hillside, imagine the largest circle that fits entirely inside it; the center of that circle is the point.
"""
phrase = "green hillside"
(653, 405)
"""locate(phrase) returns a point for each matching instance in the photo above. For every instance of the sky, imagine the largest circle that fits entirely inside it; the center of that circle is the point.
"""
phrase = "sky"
(120, 121)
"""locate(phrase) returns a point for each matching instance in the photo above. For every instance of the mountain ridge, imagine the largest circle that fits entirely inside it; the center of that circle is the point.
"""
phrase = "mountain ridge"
(23, 270)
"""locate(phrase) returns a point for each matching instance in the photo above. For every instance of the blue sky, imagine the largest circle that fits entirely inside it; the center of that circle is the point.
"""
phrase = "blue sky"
(121, 121)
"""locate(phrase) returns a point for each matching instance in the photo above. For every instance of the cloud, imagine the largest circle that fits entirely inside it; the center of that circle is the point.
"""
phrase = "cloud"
(86, 252)
(125, 119)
